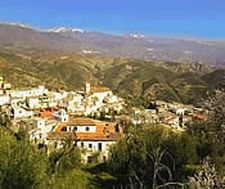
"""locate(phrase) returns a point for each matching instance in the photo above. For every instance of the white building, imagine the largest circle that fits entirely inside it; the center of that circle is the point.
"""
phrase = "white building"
(17, 102)
(6, 86)
(62, 116)
(33, 102)
(28, 92)
(19, 112)
(97, 92)
(180, 111)
(4, 99)
(42, 128)
(94, 136)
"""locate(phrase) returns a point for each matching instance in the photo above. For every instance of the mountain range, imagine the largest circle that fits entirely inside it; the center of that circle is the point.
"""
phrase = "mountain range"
(19, 37)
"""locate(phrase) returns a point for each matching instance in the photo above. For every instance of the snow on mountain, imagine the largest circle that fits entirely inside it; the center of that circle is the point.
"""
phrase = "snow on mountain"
(135, 36)
(134, 45)
(187, 52)
(16, 24)
(65, 29)
(90, 52)
(150, 49)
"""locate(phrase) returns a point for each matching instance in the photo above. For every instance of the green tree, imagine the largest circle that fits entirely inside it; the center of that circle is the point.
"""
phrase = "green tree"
(152, 155)
(22, 165)
(65, 159)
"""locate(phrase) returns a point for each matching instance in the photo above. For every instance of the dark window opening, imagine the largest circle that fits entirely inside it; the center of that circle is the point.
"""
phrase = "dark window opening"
(104, 158)
(117, 130)
(90, 145)
(63, 129)
(100, 146)
(87, 129)
(55, 145)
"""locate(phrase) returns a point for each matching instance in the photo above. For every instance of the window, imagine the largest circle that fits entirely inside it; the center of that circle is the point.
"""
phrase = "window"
(75, 128)
(100, 146)
(90, 145)
(89, 159)
(63, 129)
(55, 145)
(87, 129)
(82, 144)
(117, 129)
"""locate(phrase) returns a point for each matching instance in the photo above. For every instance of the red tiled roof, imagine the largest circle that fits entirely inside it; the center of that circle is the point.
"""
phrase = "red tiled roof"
(46, 114)
(105, 131)
(99, 89)
(200, 116)
(170, 119)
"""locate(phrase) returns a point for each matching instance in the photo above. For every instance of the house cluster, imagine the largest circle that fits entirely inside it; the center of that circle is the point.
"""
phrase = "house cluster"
(53, 117)
(4, 87)
(178, 115)
(175, 115)
(90, 118)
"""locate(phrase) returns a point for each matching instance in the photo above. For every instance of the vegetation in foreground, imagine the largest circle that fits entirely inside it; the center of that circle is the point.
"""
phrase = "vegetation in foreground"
(147, 156)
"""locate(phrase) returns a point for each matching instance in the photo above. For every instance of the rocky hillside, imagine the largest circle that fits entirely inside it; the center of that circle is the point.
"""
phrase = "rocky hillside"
(136, 79)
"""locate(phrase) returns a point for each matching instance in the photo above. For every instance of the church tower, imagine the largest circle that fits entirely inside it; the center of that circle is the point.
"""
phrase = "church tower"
(87, 89)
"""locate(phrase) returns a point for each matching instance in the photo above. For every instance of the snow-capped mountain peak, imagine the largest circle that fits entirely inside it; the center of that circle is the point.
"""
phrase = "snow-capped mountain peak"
(65, 29)
(16, 24)
(135, 36)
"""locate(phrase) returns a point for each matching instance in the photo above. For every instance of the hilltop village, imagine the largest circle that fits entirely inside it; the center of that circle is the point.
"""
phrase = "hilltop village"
(93, 118)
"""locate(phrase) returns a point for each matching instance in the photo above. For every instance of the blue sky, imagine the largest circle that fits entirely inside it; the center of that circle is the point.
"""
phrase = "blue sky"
(204, 18)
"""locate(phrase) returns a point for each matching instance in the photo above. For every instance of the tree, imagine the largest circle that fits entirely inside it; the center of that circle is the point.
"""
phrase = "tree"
(147, 156)
(210, 134)
(207, 177)
(64, 159)
(22, 165)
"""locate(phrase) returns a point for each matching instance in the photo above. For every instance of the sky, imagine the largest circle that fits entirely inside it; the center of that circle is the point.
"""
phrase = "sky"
(202, 18)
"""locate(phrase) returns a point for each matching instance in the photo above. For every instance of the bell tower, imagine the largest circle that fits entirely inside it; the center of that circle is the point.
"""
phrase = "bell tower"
(87, 88)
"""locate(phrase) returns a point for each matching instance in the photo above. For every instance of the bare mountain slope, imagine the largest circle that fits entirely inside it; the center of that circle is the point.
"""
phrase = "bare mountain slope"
(70, 40)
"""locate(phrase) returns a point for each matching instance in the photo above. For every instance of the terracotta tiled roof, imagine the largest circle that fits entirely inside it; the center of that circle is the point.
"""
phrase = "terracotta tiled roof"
(105, 131)
(46, 114)
(170, 119)
(200, 116)
(99, 89)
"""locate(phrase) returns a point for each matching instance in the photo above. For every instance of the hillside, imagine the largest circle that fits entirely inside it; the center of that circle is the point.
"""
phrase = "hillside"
(155, 80)
(131, 78)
